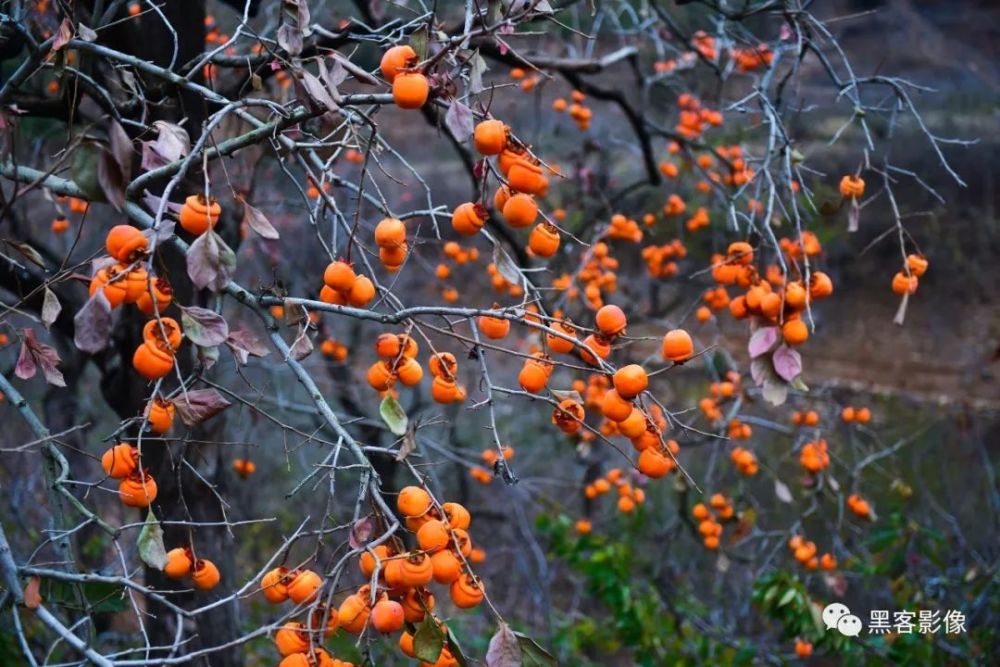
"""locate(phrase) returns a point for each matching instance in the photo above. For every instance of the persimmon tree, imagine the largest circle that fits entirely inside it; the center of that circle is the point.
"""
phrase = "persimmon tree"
(300, 247)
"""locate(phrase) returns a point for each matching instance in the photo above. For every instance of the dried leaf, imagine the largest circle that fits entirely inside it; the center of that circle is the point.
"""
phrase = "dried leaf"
(290, 39)
(248, 341)
(152, 202)
(722, 563)
(782, 491)
(121, 149)
(317, 93)
(332, 77)
(359, 74)
(459, 121)
(258, 222)
(563, 394)
(50, 308)
(204, 327)
(210, 262)
(853, 216)
(111, 180)
(150, 543)
(172, 140)
(302, 346)
(775, 391)
(409, 444)
(506, 266)
(504, 649)
(27, 252)
(760, 368)
(207, 356)
(197, 406)
(32, 596)
(35, 355)
(361, 532)
(25, 367)
(393, 415)
(762, 341)
(477, 69)
(63, 35)
(787, 363)
(92, 324)
(243, 344)
(86, 34)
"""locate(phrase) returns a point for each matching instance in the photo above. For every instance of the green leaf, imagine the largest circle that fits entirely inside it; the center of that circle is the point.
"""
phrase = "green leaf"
(787, 597)
(395, 418)
(150, 543)
(100, 597)
(428, 640)
(456, 649)
(532, 654)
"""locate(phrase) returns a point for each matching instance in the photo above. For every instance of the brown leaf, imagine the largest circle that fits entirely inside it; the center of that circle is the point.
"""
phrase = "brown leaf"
(562, 395)
(361, 532)
(210, 262)
(32, 596)
(458, 118)
(409, 444)
(320, 97)
(504, 649)
(359, 74)
(121, 149)
(204, 327)
(302, 347)
(258, 222)
(27, 252)
(200, 405)
(92, 324)
(86, 34)
(25, 367)
(34, 355)
(63, 35)
(172, 141)
(290, 39)
(243, 344)
(50, 308)
(111, 179)
(332, 77)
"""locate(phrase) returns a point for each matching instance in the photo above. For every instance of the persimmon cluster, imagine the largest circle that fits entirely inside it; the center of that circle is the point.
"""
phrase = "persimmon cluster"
(850, 415)
(711, 517)
(908, 280)
(745, 461)
(342, 287)
(182, 563)
(661, 260)
(137, 487)
(805, 553)
(772, 299)
(331, 348)
(693, 118)
(630, 496)
(410, 88)
(719, 393)
(576, 109)
(814, 456)
(806, 418)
